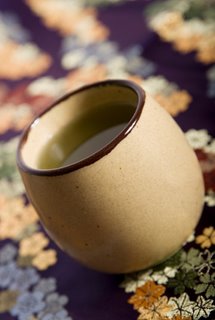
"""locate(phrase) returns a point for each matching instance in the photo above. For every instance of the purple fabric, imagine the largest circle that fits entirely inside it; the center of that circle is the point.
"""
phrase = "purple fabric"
(93, 295)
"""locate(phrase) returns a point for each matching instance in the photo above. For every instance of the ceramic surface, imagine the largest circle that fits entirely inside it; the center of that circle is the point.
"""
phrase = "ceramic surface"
(127, 207)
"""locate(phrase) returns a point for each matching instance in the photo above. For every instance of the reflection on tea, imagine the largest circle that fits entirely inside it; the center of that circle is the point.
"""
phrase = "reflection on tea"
(85, 136)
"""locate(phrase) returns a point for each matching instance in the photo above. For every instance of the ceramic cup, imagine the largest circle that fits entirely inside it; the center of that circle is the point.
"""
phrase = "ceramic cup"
(129, 204)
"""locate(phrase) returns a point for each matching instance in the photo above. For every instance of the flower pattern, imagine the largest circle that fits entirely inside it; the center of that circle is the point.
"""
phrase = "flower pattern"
(146, 295)
(54, 305)
(24, 279)
(182, 305)
(207, 239)
(7, 273)
(87, 50)
(198, 138)
(7, 300)
(156, 311)
(207, 285)
(10, 182)
(24, 59)
(33, 245)
(15, 217)
(202, 308)
(79, 21)
(44, 259)
(8, 253)
(188, 25)
(27, 305)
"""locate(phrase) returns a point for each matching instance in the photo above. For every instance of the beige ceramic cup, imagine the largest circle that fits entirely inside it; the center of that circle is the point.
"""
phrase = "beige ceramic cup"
(130, 204)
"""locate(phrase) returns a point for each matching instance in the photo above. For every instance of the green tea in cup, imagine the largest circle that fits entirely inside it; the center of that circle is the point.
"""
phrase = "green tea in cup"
(86, 135)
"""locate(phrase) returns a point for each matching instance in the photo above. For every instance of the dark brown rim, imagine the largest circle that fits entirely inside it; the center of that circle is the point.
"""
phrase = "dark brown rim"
(100, 153)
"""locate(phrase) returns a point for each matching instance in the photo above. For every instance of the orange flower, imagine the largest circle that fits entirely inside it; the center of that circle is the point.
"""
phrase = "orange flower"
(85, 75)
(186, 43)
(146, 295)
(80, 21)
(206, 49)
(45, 259)
(33, 245)
(167, 24)
(22, 60)
(207, 239)
(158, 310)
(174, 103)
(178, 317)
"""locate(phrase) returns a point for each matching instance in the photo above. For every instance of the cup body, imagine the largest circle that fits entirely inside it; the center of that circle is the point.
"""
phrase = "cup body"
(131, 204)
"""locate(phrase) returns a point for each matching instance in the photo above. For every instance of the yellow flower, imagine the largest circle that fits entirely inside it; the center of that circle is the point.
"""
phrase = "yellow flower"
(7, 300)
(146, 295)
(207, 239)
(15, 217)
(32, 245)
(45, 259)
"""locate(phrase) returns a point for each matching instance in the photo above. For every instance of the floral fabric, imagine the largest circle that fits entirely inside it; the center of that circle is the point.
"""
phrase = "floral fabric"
(50, 47)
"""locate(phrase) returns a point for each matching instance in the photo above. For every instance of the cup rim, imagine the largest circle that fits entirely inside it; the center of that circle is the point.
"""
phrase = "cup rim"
(96, 155)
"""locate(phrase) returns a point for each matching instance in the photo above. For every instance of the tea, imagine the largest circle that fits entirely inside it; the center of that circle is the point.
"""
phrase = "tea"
(85, 135)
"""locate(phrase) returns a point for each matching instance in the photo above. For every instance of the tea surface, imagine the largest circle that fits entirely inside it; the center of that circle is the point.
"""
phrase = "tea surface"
(84, 136)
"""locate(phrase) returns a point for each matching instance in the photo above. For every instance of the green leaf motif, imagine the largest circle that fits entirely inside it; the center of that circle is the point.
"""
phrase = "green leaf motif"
(210, 291)
(191, 259)
(182, 281)
(200, 288)
(207, 285)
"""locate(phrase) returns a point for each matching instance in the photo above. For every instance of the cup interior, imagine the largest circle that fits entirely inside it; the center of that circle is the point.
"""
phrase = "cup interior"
(81, 126)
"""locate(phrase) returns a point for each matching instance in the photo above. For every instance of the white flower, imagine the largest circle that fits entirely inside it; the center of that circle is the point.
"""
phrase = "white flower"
(210, 198)
(170, 272)
(211, 147)
(155, 85)
(60, 315)
(7, 274)
(24, 278)
(203, 308)
(7, 253)
(161, 277)
(182, 305)
(73, 59)
(46, 86)
(26, 52)
(53, 304)
(197, 138)
(46, 285)
(135, 280)
(27, 304)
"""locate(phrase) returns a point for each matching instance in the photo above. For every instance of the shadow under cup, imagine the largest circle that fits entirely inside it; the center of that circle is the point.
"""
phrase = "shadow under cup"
(82, 126)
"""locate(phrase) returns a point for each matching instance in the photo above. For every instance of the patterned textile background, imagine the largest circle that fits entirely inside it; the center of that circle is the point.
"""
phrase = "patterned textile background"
(48, 47)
